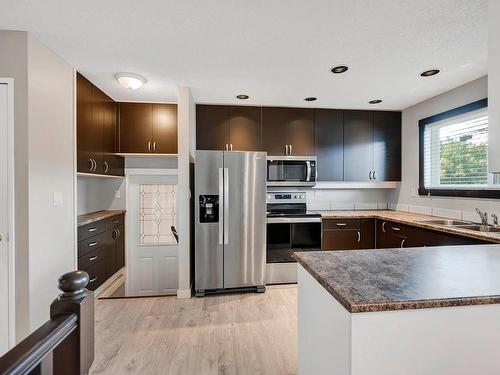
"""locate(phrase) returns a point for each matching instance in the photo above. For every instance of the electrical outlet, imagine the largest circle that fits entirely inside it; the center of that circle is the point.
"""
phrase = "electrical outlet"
(58, 198)
(117, 194)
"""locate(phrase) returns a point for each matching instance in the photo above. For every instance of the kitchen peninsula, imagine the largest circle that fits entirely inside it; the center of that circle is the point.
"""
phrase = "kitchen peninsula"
(400, 311)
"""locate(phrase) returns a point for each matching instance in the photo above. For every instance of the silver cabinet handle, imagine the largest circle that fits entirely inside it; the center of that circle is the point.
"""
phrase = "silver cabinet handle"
(341, 224)
(231, 147)
(92, 244)
(93, 279)
(359, 236)
(116, 221)
(92, 229)
(403, 242)
(221, 212)
(154, 146)
(291, 152)
(370, 175)
(106, 167)
(91, 165)
(226, 206)
(119, 233)
(374, 175)
(95, 165)
(308, 174)
(396, 229)
(115, 234)
(383, 227)
(149, 146)
(286, 150)
(93, 258)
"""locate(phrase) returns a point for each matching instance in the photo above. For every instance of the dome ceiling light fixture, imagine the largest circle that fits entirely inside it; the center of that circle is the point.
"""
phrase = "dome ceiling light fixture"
(130, 81)
(339, 69)
(242, 97)
(429, 73)
(375, 101)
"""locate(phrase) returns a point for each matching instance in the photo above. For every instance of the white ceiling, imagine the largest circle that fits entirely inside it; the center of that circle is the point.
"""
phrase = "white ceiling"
(276, 51)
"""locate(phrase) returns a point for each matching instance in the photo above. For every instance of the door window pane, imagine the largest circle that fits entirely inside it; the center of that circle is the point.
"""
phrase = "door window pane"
(157, 214)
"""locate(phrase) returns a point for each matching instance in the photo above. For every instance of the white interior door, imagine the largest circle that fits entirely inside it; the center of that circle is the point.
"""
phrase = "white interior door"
(6, 261)
(152, 266)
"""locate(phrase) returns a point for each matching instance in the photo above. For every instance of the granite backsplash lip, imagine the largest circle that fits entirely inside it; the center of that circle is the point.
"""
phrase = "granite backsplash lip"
(92, 217)
(403, 279)
(412, 219)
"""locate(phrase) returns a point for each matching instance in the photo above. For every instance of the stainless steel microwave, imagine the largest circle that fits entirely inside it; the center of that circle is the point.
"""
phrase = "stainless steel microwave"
(291, 170)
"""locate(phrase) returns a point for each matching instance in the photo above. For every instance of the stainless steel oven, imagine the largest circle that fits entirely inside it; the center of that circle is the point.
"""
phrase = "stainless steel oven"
(291, 170)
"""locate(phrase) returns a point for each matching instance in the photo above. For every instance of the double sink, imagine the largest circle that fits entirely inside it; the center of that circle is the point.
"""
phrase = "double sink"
(462, 225)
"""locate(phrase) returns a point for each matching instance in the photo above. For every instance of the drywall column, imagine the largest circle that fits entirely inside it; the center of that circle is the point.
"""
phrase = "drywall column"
(185, 113)
(494, 86)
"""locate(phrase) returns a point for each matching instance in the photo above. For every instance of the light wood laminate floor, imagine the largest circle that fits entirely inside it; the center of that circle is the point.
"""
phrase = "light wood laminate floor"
(227, 334)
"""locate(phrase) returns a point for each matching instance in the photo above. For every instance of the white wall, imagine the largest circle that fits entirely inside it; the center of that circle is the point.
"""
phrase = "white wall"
(51, 169)
(494, 84)
(43, 94)
(406, 197)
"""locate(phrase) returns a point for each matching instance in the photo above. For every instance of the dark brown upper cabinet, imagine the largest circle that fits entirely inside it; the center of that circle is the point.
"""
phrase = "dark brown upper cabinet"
(387, 146)
(329, 140)
(96, 130)
(288, 131)
(165, 128)
(148, 128)
(245, 128)
(212, 127)
(358, 145)
(84, 131)
(221, 127)
(372, 146)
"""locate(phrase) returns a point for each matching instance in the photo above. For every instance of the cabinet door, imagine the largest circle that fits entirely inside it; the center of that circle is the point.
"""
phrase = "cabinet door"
(288, 126)
(212, 127)
(113, 165)
(165, 128)
(245, 128)
(98, 109)
(380, 234)
(367, 237)
(387, 146)
(329, 144)
(84, 124)
(345, 239)
(358, 145)
(136, 127)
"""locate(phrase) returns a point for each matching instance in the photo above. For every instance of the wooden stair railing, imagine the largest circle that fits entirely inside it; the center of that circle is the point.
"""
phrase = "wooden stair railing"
(64, 345)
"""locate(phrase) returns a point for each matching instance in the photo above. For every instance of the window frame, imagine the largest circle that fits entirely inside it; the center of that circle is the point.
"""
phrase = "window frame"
(465, 193)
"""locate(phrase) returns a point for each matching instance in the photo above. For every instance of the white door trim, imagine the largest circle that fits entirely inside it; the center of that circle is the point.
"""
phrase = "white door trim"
(11, 210)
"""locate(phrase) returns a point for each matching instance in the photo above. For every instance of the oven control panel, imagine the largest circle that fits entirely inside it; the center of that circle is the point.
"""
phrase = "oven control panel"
(286, 197)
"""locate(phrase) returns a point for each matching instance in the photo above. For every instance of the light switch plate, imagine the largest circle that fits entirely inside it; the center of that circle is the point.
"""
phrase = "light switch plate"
(58, 198)
(117, 194)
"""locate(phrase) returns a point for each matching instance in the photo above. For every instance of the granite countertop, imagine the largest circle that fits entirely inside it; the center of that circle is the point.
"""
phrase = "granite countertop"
(413, 278)
(97, 216)
(410, 219)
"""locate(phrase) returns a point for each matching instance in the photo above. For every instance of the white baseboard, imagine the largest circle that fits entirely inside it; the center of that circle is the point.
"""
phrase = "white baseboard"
(183, 293)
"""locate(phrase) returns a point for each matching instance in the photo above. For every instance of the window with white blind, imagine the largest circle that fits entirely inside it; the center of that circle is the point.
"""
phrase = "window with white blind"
(454, 152)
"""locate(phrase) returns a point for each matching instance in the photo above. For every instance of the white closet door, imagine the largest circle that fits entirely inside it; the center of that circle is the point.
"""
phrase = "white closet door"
(152, 248)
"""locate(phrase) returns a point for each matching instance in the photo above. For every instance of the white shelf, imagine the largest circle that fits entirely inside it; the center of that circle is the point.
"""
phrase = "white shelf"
(357, 185)
(145, 155)
(80, 174)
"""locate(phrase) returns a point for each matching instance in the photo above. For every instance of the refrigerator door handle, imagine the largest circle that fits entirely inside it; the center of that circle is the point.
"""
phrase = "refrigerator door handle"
(226, 206)
(221, 212)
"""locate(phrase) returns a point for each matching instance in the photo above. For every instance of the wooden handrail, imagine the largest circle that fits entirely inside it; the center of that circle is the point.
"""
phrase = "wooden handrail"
(64, 345)
(30, 352)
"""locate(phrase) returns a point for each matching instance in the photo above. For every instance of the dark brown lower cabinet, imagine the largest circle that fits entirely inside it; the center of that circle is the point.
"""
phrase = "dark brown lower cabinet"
(393, 235)
(348, 234)
(101, 249)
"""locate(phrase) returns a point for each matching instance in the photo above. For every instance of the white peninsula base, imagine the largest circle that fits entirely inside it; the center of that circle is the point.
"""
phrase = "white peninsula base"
(436, 341)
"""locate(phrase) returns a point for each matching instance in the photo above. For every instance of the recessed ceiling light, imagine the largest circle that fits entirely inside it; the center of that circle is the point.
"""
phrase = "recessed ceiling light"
(310, 99)
(430, 72)
(131, 81)
(339, 69)
(375, 101)
(242, 97)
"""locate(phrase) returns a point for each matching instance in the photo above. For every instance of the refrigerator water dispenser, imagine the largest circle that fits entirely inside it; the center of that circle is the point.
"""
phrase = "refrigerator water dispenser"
(209, 208)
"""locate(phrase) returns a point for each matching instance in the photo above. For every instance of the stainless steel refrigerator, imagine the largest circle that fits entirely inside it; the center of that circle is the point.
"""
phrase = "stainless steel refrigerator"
(230, 221)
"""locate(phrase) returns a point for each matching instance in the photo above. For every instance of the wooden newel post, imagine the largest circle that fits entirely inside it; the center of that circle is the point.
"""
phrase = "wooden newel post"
(75, 354)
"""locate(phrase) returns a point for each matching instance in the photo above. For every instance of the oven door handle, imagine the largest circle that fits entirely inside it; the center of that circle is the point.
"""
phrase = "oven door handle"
(279, 220)
(308, 175)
